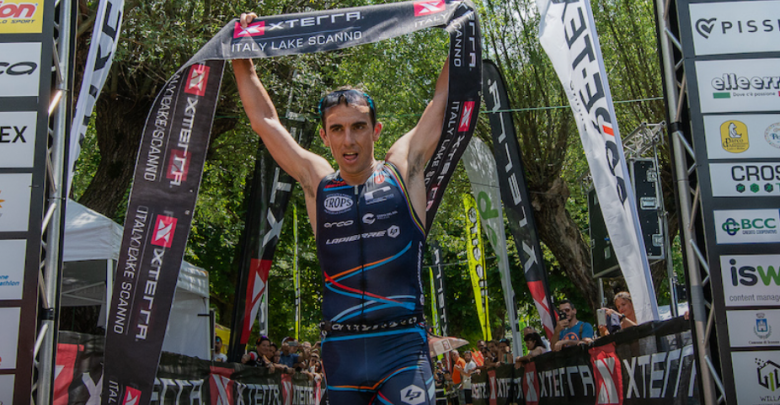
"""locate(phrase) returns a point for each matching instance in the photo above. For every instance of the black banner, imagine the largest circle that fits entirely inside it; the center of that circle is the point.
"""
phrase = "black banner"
(514, 193)
(651, 364)
(269, 195)
(180, 379)
(173, 147)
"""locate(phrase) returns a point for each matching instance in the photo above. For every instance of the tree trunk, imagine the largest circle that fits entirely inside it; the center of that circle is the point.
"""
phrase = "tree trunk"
(562, 236)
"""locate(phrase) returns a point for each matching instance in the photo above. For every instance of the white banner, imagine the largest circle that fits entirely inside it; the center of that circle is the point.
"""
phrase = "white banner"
(19, 69)
(12, 268)
(17, 138)
(753, 328)
(15, 194)
(568, 34)
(735, 27)
(9, 335)
(481, 169)
(105, 36)
(742, 136)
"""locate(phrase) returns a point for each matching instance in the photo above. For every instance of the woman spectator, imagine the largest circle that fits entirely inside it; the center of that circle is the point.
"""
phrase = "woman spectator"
(625, 312)
(535, 347)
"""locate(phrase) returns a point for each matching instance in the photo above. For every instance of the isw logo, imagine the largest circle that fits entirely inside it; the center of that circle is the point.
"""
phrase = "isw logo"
(164, 229)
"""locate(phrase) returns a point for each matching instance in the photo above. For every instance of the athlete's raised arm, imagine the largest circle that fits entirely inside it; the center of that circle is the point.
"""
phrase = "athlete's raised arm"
(306, 167)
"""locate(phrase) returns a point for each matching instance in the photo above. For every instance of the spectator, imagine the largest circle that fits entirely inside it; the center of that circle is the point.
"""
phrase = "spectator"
(218, 355)
(466, 373)
(504, 352)
(458, 364)
(289, 358)
(535, 347)
(625, 312)
(528, 330)
(570, 331)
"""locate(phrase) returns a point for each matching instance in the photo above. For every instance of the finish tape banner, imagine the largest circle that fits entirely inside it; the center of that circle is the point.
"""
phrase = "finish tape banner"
(650, 364)
(173, 150)
(514, 194)
(180, 380)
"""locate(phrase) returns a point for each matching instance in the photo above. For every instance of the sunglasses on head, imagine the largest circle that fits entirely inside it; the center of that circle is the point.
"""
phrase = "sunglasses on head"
(347, 96)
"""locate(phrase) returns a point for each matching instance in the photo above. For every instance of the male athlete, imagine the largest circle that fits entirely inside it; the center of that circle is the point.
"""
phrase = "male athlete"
(368, 218)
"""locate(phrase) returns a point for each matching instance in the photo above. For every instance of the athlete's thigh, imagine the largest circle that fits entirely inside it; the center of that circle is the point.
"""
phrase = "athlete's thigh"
(412, 387)
(339, 397)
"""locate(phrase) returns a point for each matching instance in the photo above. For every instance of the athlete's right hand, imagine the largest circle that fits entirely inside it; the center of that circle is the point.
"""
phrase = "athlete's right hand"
(247, 18)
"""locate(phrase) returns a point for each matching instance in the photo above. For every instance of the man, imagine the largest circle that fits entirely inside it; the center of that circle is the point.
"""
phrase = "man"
(368, 221)
(218, 355)
(458, 364)
(289, 357)
(466, 373)
(570, 331)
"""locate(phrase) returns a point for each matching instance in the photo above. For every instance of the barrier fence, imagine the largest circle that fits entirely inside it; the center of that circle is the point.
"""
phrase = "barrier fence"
(651, 364)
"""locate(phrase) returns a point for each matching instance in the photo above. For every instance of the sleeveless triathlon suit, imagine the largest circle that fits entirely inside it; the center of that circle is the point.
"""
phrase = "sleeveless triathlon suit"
(370, 245)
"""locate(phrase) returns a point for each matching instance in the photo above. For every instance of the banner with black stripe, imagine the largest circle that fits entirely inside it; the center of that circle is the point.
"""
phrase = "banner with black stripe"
(514, 193)
(173, 150)
(268, 198)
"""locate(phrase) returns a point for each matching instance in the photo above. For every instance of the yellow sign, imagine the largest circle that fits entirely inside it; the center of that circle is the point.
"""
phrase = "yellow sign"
(21, 16)
(734, 136)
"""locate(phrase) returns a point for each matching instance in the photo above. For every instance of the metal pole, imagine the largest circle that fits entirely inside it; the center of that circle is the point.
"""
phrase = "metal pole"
(697, 300)
(52, 262)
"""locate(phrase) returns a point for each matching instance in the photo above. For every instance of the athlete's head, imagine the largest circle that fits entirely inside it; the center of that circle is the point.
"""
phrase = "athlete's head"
(346, 95)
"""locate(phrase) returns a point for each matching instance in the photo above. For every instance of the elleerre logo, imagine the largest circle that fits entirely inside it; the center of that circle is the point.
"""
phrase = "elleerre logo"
(465, 116)
(132, 396)
(428, 7)
(164, 230)
(197, 80)
(254, 29)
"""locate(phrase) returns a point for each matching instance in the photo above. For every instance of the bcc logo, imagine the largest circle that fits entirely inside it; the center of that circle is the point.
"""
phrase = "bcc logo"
(732, 227)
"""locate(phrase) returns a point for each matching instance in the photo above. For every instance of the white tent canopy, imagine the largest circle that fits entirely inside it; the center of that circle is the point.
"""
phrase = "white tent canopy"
(91, 247)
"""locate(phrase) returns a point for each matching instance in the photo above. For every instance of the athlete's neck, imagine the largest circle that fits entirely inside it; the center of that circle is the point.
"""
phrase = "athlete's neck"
(360, 177)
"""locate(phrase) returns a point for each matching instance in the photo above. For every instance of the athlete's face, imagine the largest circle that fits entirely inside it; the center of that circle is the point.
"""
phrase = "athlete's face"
(350, 136)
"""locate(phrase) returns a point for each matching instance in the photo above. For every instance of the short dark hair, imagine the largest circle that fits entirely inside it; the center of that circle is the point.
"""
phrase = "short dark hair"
(346, 95)
(566, 302)
(536, 338)
(218, 339)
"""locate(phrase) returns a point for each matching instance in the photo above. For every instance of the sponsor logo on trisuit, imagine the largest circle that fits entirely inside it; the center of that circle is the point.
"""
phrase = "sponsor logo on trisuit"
(197, 80)
(428, 7)
(254, 29)
(164, 229)
(734, 136)
(337, 203)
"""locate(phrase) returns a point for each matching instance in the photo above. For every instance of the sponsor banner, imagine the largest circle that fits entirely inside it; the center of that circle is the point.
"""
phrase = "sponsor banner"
(475, 252)
(483, 174)
(9, 335)
(757, 381)
(21, 16)
(585, 82)
(739, 85)
(742, 136)
(514, 194)
(652, 364)
(754, 328)
(735, 27)
(20, 72)
(751, 280)
(437, 290)
(17, 139)
(747, 226)
(15, 193)
(105, 36)
(269, 195)
(175, 139)
(745, 179)
(12, 269)
(6, 388)
(180, 380)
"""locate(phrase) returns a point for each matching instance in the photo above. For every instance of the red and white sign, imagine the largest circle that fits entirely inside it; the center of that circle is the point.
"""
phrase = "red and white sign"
(428, 7)
(608, 375)
(258, 277)
(254, 29)
(163, 231)
(465, 116)
(178, 166)
(132, 396)
(197, 80)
